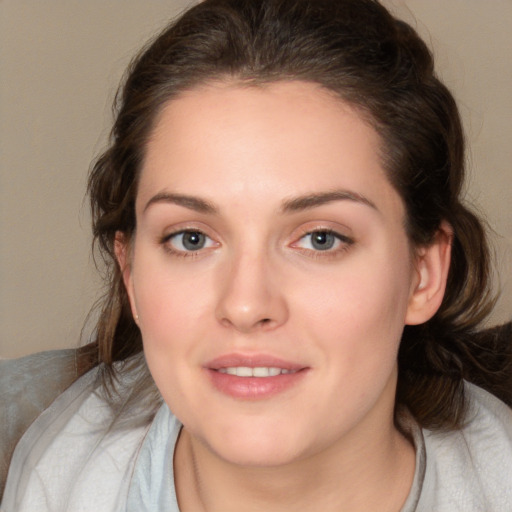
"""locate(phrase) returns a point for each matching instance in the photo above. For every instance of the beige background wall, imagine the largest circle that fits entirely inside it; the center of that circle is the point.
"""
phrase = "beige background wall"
(60, 62)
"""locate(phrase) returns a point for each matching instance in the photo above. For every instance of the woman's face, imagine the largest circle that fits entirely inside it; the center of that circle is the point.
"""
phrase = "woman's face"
(270, 271)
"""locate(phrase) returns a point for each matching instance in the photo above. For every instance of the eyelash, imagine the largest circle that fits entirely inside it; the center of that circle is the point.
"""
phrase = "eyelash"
(165, 242)
(344, 243)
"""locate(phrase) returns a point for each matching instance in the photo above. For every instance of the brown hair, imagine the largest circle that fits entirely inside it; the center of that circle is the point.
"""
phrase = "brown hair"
(357, 49)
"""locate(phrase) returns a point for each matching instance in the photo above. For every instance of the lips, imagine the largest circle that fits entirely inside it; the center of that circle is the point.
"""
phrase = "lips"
(254, 377)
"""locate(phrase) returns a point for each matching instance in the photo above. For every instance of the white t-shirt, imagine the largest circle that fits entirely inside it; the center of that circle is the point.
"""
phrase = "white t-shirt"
(72, 459)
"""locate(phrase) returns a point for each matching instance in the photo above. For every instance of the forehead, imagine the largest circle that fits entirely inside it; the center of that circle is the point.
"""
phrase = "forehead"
(285, 135)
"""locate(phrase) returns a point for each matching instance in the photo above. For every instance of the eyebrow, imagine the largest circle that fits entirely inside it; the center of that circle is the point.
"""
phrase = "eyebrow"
(309, 201)
(191, 202)
(295, 204)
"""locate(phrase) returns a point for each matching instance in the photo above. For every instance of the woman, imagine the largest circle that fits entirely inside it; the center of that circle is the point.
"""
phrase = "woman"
(295, 282)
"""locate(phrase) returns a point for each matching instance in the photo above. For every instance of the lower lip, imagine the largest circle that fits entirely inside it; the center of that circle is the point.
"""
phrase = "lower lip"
(254, 388)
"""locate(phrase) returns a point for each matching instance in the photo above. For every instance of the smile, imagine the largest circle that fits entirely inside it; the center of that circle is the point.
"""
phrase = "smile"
(260, 371)
(254, 376)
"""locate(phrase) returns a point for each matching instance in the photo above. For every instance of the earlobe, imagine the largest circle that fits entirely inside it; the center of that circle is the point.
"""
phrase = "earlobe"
(123, 257)
(432, 266)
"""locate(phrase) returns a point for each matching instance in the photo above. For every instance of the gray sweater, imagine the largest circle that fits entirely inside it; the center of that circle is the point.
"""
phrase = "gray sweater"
(468, 470)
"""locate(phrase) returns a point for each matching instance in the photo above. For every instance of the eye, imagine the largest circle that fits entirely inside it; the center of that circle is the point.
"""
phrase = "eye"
(188, 241)
(323, 240)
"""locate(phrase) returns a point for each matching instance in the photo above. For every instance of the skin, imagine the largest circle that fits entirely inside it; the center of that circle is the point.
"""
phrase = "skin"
(259, 285)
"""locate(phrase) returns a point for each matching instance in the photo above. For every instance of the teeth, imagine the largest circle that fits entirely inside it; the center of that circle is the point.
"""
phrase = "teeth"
(246, 371)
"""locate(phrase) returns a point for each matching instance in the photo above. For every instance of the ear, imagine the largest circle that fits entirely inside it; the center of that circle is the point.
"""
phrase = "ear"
(122, 251)
(432, 265)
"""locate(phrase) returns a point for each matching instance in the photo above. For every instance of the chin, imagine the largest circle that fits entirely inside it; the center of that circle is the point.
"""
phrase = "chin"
(258, 455)
(257, 447)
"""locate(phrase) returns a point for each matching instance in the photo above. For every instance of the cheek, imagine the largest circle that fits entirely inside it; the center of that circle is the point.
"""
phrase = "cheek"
(170, 311)
(369, 293)
(358, 314)
(164, 291)
(171, 308)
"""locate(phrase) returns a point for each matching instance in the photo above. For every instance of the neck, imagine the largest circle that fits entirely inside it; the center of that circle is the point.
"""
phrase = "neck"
(355, 475)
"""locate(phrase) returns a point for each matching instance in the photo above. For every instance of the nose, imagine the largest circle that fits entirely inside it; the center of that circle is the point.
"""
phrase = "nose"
(250, 296)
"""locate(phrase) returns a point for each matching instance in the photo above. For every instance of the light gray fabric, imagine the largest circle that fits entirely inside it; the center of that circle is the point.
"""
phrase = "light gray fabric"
(468, 470)
(74, 459)
(152, 486)
(28, 386)
(471, 470)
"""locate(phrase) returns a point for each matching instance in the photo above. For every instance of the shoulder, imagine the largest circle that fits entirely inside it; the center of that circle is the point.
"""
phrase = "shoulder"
(28, 385)
(50, 372)
(87, 430)
(471, 469)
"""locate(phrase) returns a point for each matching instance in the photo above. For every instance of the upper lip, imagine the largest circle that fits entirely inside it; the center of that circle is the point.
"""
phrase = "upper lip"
(252, 361)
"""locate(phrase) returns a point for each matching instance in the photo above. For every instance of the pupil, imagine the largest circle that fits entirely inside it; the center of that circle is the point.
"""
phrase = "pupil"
(193, 240)
(322, 240)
